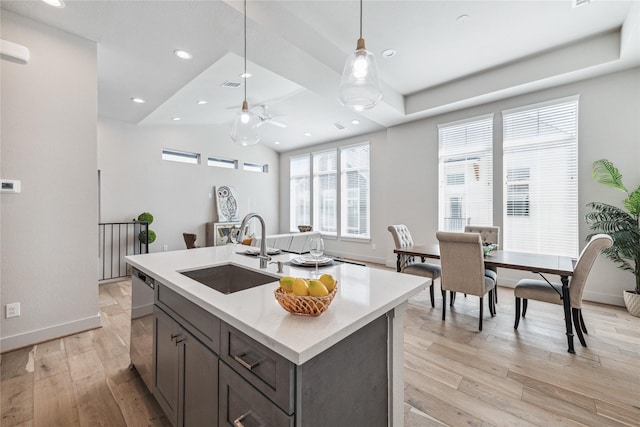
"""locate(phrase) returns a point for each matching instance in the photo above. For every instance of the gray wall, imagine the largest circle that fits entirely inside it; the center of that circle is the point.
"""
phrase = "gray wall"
(49, 234)
(134, 179)
(404, 167)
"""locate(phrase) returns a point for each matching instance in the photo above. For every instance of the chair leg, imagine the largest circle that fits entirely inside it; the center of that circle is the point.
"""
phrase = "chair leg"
(576, 321)
(452, 295)
(444, 303)
(492, 304)
(431, 294)
(584, 327)
(515, 325)
(524, 306)
(480, 321)
(495, 294)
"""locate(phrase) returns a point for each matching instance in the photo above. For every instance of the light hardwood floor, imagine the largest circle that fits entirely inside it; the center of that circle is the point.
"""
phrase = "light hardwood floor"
(454, 375)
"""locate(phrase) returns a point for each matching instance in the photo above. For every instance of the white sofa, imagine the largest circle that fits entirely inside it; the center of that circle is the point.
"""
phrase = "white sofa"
(290, 242)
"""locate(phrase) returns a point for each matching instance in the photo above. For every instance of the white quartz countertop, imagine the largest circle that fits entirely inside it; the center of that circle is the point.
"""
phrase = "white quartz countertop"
(363, 295)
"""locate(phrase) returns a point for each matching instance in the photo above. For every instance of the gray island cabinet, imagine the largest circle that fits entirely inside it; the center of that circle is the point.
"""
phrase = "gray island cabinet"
(239, 359)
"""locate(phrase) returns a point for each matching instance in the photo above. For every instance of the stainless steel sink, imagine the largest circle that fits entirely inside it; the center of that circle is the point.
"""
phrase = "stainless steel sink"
(229, 278)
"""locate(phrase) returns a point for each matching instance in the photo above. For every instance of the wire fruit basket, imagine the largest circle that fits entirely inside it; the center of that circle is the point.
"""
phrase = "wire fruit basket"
(304, 305)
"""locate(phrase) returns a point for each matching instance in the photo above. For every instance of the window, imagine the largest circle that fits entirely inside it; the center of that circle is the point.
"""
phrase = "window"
(314, 198)
(180, 156)
(540, 178)
(354, 167)
(466, 173)
(325, 191)
(299, 191)
(219, 162)
(256, 167)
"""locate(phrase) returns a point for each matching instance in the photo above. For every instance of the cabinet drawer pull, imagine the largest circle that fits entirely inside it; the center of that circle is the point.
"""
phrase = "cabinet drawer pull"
(238, 421)
(248, 365)
(175, 336)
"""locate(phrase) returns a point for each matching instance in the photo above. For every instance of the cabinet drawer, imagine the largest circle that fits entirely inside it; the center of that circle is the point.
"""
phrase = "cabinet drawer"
(266, 370)
(243, 405)
(204, 325)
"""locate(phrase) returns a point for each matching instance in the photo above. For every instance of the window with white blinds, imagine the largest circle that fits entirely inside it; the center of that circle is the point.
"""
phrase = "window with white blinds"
(540, 165)
(299, 191)
(354, 191)
(465, 173)
(325, 191)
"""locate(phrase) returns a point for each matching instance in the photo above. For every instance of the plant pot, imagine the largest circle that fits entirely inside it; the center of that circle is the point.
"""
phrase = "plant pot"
(632, 301)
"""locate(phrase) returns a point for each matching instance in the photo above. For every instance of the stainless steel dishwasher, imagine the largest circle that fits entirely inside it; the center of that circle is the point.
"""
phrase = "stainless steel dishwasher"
(141, 340)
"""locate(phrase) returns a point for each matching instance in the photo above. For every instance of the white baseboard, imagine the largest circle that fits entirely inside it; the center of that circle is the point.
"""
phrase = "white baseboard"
(357, 257)
(25, 339)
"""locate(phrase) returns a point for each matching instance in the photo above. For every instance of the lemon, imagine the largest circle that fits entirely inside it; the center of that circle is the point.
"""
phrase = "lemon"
(317, 289)
(328, 281)
(286, 283)
(300, 287)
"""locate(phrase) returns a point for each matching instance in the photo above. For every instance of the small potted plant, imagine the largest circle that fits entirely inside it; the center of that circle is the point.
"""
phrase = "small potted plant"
(142, 237)
(623, 225)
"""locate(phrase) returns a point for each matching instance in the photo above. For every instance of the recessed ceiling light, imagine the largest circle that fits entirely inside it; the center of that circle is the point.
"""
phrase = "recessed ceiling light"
(176, 119)
(201, 102)
(307, 134)
(246, 75)
(138, 100)
(276, 142)
(388, 53)
(54, 3)
(182, 54)
(462, 18)
(355, 122)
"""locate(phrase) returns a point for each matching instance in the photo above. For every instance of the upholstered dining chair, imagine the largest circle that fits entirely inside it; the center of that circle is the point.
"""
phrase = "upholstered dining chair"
(462, 262)
(402, 239)
(544, 291)
(489, 235)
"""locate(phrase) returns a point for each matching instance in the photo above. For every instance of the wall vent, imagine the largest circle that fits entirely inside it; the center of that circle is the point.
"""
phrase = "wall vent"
(231, 84)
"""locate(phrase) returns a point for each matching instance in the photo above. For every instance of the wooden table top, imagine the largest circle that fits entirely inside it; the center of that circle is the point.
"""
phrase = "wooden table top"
(537, 263)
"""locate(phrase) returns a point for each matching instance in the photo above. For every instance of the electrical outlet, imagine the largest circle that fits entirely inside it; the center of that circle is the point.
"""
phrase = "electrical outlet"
(12, 310)
(165, 248)
(373, 246)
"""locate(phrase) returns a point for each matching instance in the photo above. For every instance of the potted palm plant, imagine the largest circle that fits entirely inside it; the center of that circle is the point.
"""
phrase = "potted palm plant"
(623, 225)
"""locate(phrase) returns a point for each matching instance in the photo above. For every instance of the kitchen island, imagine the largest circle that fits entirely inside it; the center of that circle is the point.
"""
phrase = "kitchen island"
(362, 328)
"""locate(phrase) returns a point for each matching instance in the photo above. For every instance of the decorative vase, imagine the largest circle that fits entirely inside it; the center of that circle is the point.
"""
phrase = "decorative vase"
(632, 301)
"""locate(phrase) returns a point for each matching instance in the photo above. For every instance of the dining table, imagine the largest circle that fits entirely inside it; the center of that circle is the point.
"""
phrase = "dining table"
(532, 262)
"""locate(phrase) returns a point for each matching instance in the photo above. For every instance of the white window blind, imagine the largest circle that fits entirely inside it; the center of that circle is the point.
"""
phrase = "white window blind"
(355, 199)
(540, 178)
(299, 191)
(465, 173)
(325, 180)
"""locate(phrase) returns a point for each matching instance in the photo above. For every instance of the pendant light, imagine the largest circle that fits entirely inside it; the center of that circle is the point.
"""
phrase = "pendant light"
(245, 125)
(360, 87)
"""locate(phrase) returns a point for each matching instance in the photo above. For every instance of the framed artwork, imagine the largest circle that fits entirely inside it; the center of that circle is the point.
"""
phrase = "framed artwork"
(222, 232)
(226, 203)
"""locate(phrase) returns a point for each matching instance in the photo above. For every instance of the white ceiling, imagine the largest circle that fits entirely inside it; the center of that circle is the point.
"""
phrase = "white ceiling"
(296, 51)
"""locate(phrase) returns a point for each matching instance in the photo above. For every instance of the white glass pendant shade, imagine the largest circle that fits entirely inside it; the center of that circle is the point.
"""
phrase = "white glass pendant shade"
(360, 86)
(245, 127)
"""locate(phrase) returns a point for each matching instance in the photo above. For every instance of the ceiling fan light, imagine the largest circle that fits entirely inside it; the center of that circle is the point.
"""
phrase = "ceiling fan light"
(245, 127)
(360, 86)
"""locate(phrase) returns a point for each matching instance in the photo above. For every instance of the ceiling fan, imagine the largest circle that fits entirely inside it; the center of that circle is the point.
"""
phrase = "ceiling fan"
(265, 117)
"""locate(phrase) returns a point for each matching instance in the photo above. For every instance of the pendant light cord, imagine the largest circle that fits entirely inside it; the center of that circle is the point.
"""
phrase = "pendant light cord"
(360, 18)
(245, 50)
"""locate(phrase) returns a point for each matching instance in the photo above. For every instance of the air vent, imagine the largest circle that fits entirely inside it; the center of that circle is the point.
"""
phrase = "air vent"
(338, 125)
(231, 84)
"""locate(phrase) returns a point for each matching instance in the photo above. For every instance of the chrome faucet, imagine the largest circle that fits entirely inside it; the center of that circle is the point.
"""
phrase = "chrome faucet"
(264, 258)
